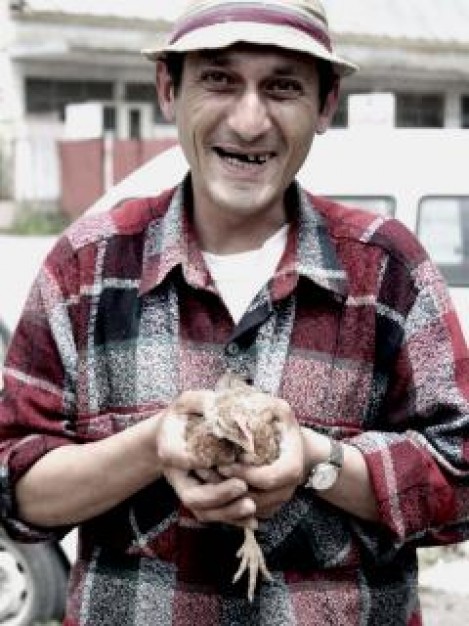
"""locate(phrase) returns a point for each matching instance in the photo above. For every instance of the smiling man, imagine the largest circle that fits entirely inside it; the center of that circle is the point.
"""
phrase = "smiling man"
(246, 118)
(337, 313)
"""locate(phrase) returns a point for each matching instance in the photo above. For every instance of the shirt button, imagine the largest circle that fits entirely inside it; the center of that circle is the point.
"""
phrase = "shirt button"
(232, 349)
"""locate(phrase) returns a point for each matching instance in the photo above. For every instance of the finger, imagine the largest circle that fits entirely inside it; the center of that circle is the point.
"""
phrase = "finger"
(236, 470)
(192, 401)
(285, 471)
(268, 503)
(208, 496)
(209, 476)
(282, 410)
(254, 475)
(180, 480)
(236, 513)
(171, 445)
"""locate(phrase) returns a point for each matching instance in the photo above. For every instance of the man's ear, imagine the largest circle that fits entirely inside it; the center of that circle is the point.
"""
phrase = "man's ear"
(165, 91)
(329, 108)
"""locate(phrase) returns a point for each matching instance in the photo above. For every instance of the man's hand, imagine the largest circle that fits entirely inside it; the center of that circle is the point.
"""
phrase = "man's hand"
(209, 496)
(213, 498)
(171, 443)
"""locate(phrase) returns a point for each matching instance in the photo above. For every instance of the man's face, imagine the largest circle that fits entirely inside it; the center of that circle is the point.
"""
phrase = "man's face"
(246, 118)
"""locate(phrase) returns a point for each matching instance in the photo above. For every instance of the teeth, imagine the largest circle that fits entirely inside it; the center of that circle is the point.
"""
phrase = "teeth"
(252, 159)
(257, 158)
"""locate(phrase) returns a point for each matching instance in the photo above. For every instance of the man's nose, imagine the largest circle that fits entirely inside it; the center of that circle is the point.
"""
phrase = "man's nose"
(249, 116)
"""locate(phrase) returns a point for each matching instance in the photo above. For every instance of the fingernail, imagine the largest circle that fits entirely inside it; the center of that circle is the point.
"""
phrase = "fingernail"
(226, 471)
(249, 507)
(241, 485)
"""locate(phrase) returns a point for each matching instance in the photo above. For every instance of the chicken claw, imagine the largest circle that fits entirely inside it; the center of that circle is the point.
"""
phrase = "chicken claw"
(253, 560)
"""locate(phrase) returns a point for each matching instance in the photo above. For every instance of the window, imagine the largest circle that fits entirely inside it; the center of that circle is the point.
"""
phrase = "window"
(384, 205)
(443, 228)
(145, 92)
(414, 110)
(109, 119)
(465, 111)
(51, 96)
(39, 97)
(135, 124)
(140, 92)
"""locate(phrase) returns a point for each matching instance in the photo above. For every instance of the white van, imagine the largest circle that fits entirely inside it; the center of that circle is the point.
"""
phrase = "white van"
(417, 176)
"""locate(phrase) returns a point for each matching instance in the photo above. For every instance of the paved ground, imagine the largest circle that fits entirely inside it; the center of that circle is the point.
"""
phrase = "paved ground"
(20, 259)
(444, 585)
(444, 609)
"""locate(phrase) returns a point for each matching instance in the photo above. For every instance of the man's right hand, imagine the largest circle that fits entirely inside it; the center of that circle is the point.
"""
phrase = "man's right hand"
(171, 444)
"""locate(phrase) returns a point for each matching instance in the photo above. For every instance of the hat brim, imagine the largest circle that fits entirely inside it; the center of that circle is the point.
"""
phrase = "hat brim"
(226, 34)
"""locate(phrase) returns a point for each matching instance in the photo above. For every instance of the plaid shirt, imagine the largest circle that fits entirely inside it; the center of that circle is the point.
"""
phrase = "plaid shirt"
(355, 330)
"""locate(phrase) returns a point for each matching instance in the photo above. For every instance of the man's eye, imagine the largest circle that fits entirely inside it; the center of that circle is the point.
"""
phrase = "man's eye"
(284, 88)
(216, 79)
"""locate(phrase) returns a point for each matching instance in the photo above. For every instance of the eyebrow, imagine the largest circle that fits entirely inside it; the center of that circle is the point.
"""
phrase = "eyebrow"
(215, 57)
(224, 59)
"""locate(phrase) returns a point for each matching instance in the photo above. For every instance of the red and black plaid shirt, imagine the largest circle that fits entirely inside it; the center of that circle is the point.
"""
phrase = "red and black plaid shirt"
(355, 330)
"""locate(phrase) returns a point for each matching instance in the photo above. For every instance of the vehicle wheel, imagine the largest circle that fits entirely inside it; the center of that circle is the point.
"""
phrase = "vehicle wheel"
(33, 580)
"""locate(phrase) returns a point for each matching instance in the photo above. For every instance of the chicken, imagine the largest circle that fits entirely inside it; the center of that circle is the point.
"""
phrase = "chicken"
(238, 424)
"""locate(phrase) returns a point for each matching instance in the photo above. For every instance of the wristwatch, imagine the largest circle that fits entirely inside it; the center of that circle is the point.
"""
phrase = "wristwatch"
(325, 474)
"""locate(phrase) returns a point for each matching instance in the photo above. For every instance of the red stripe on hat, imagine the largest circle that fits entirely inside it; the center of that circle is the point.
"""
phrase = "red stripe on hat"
(236, 13)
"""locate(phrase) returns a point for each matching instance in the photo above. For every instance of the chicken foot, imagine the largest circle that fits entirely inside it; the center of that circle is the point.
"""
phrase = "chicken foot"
(252, 560)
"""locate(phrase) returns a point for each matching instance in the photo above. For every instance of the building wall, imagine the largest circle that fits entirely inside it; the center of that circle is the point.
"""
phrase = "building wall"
(61, 47)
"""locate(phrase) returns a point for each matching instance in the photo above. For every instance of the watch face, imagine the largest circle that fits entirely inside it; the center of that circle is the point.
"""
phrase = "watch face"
(324, 476)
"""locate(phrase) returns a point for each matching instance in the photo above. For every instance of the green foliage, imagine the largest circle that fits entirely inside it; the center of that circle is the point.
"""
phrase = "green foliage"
(33, 222)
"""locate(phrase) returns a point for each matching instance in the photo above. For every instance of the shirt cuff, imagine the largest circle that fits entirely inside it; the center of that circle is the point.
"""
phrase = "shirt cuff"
(413, 495)
(20, 457)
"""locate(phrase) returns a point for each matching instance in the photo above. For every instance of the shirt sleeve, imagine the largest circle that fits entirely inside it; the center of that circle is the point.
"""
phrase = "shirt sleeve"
(419, 460)
(38, 400)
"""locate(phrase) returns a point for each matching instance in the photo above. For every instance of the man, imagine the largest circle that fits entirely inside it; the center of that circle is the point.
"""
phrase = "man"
(338, 312)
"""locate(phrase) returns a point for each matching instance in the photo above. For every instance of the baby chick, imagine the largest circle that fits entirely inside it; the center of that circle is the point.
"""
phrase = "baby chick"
(238, 424)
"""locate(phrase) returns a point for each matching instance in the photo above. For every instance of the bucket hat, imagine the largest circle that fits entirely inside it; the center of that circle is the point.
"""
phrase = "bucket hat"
(299, 25)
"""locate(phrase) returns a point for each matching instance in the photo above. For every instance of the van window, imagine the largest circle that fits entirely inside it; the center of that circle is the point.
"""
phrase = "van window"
(443, 228)
(384, 205)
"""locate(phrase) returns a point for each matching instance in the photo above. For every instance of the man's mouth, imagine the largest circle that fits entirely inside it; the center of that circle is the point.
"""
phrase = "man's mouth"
(244, 158)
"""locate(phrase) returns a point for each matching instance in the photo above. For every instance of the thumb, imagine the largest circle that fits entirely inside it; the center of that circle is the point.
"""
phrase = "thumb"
(192, 401)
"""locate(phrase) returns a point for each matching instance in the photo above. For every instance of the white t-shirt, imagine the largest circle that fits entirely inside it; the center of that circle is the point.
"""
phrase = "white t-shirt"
(239, 277)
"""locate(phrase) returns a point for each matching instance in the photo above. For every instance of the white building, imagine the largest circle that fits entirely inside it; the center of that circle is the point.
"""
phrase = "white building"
(59, 52)
(415, 49)
(55, 53)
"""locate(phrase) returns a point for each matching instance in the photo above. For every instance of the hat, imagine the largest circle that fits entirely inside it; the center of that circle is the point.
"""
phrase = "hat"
(299, 25)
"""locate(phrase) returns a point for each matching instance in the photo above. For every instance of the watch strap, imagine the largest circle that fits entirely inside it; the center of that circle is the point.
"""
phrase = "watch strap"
(336, 455)
(335, 458)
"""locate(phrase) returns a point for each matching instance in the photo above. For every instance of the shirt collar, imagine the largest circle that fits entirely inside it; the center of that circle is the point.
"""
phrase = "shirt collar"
(171, 242)
(310, 251)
